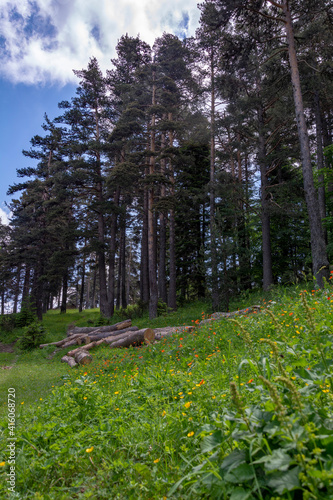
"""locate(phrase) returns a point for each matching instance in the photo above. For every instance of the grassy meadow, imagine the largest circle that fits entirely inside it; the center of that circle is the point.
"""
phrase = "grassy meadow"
(234, 410)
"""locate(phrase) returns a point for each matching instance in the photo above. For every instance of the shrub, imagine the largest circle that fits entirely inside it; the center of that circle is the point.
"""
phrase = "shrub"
(33, 335)
(26, 316)
(8, 322)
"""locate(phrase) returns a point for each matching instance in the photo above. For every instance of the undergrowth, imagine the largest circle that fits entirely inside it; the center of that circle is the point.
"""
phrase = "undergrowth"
(234, 410)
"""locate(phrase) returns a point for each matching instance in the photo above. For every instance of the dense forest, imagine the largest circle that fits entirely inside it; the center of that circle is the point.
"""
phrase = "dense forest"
(194, 168)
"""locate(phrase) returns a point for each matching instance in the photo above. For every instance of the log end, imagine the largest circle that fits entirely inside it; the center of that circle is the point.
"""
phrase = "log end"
(149, 336)
(83, 357)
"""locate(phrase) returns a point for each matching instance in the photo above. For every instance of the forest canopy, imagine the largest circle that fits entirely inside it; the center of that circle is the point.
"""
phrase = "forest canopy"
(195, 168)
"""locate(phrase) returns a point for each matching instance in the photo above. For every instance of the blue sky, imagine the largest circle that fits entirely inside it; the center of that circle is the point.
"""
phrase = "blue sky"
(42, 41)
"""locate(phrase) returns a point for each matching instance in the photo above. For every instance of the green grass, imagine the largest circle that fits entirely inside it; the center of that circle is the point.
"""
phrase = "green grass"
(161, 421)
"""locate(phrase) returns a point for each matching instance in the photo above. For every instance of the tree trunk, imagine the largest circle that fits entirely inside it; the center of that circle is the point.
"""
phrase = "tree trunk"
(123, 262)
(113, 236)
(215, 290)
(63, 306)
(162, 290)
(172, 295)
(265, 218)
(82, 283)
(320, 163)
(320, 262)
(144, 272)
(153, 298)
(17, 288)
(26, 285)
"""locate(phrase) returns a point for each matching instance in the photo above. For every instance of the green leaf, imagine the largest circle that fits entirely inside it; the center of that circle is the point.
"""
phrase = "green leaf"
(243, 472)
(283, 482)
(278, 460)
(210, 442)
(240, 494)
(235, 458)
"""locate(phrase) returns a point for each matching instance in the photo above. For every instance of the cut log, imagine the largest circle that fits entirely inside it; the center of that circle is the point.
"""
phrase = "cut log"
(83, 340)
(104, 335)
(51, 343)
(219, 315)
(146, 335)
(100, 329)
(85, 348)
(83, 357)
(171, 330)
(70, 361)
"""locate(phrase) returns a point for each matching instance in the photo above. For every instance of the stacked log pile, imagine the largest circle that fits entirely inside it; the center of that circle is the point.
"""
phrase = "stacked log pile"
(121, 334)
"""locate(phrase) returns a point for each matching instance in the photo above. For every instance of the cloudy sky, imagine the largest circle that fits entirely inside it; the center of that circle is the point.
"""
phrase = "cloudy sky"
(42, 41)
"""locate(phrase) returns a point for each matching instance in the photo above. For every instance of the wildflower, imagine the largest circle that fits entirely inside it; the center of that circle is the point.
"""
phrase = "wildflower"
(22, 403)
(201, 382)
(2, 464)
(190, 434)
(250, 381)
(85, 397)
(117, 392)
(156, 461)
(89, 450)
(188, 404)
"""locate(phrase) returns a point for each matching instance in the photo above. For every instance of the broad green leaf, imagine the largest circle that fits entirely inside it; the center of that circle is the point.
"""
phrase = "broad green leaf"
(210, 442)
(235, 458)
(278, 460)
(283, 482)
(243, 472)
(240, 494)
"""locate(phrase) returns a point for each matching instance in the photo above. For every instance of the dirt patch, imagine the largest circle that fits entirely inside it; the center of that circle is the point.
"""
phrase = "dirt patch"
(7, 347)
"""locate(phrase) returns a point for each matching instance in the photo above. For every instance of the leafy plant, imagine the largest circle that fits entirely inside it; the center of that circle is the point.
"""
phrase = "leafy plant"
(33, 335)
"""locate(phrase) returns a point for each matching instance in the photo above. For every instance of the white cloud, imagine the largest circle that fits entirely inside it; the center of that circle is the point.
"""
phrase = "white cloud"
(43, 40)
(4, 217)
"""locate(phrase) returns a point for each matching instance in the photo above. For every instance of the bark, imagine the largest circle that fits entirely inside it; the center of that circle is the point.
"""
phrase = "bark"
(265, 218)
(106, 328)
(17, 288)
(144, 272)
(215, 291)
(162, 290)
(172, 295)
(93, 299)
(113, 234)
(85, 348)
(320, 262)
(320, 163)
(82, 282)
(153, 297)
(70, 361)
(63, 306)
(3, 300)
(123, 263)
(26, 285)
(99, 336)
(83, 358)
(146, 336)
(171, 330)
